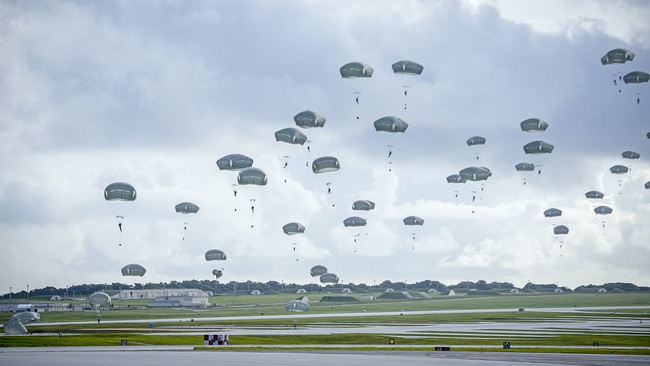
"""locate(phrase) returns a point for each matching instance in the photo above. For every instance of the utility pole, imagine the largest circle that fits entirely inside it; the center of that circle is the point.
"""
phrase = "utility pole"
(10, 290)
(27, 291)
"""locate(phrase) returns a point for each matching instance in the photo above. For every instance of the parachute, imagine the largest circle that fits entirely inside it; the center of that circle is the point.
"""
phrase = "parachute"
(390, 124)
(594, 195)
(603, 210)
(234, 162)
(475, 140)
(251, 176)
(525, 167)
(133, 270)
(354, 70)
(215, 255)
(475, 173)
(293, 228)
(318, 270)
(552, 212)
(413, 220)
(538, 147)
(296, 305)
(325, 164)
(120, 191)
(329, 278)
(636, 77)
(533, 125)
(363, 205)
(309, 119)
(354, 221)
(186, 208)
(455, 178)
(118, 195)
(630, 155)
(291, 136)
(99, 298)
(560, 230)
(619, 169)
(647, 185)
(407, 67)
(217, 273)
(617, 56)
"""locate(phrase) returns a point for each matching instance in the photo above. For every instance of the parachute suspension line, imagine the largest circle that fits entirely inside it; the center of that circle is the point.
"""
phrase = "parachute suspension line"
(405, 94)
(329, 190)
(286, 163)
(252, 213)
(294, 244)
(356, 99)
(184, 229)
(413, 244)
(234, 191)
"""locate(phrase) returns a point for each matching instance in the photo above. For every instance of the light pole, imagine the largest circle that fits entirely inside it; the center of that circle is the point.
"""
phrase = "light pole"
(10, 290)
(27, 291)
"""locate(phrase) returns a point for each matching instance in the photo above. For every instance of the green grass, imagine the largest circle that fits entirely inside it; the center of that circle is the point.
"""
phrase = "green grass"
(110, 334)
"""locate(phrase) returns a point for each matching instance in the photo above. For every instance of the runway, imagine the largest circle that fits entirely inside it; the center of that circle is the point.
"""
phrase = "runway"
(183, 355)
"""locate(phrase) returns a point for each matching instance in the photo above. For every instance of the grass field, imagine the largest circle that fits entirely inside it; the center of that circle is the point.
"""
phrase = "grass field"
(635, 340)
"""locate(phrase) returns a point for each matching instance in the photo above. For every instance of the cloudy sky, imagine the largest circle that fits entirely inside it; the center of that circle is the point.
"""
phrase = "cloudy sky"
(154, 92)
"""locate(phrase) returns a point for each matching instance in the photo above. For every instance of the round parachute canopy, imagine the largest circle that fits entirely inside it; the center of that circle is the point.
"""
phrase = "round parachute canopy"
(647, 185)
(363, 205)
(317, 270)
(354, 70)
(133, 270)
(534, 125)
(647, 135)
(391, 124)
(309, 119)
(234, 162)
(413, 220)
(636, 77)
(217, 273)
(455, 178)
(293, 228)
(251, 176)
(99, 298)
(618, 169)
(407, 67)
(630, 155)
(329, 278)
(552, 212)
(525, 167)
(603, 210)
(560, 230)
(354, 221)
(475, 140)
(538, 147)
(215, 255)
(594, 195)
(186, 208)
(291, 136)
(120, 191)
(617, 56)
(475, 173)
(325, 164)
(296, 305)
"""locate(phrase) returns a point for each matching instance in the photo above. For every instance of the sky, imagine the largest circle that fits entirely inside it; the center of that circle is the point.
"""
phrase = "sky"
(154, 92)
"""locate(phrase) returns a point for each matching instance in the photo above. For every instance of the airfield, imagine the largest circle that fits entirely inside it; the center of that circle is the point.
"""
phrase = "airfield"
(557, 329)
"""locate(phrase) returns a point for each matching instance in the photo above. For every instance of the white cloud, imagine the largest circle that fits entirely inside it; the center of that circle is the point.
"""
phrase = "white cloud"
(155, 94)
